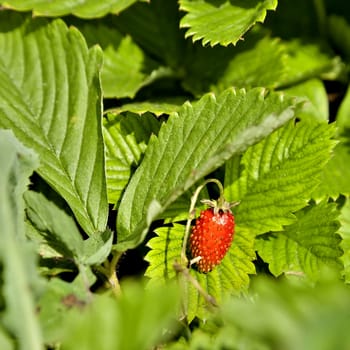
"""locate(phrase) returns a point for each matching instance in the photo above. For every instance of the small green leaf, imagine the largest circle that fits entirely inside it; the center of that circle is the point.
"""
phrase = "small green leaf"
(126, 68)
(316, 105)
(60, 232)
(82, 8)
(308, 246)
(191, 144)
(230, 277)
(57, 228)
(278, 175)
(51, 99)
(20, 282)
(126, 138)
(97, 248)
(222, 21)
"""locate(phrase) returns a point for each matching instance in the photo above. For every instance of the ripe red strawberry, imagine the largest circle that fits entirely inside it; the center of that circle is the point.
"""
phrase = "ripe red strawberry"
(212, 235)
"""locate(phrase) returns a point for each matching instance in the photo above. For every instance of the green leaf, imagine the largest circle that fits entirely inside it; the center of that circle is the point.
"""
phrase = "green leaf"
(222, 21)
(308, 246)
(97, 248)
(336, 174)
(135, 321)
(155, 27)
(126, 138)
(191, 144)
(126, 68)
(335, 177)
(277, 314)
(316, 105)
(344, 231)
(288, 315)
(278, 175)
(60, 232)
(343, 119)
(84, 8)
(307, 60)
(339, 32)
(57, 304)
(51, 99)
(230, 277)
(20, 282)
(156, 107)
(58, 229)
(217, 68)
(6, 343)
(209, 337)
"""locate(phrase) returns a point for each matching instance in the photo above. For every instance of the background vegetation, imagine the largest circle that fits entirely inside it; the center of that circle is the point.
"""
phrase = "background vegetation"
(113, 112)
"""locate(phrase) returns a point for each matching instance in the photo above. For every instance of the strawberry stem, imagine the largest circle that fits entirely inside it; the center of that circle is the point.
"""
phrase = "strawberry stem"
(181, 269)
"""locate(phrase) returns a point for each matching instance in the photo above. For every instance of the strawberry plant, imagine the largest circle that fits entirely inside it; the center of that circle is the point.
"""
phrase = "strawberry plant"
(174, 174)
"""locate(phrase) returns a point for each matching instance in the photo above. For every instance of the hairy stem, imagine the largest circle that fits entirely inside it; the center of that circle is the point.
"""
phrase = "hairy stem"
(109, 269)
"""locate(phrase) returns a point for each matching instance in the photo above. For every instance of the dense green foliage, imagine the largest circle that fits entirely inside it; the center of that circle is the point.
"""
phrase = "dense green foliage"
(113, 113)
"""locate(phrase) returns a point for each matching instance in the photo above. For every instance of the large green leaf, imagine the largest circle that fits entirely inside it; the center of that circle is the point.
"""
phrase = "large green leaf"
(222, 21)
(20, 282)
(191, 144)
(51, 99)
(217, 68)
(84, 8)
(281, 64)
(306, 247)
(126, 68)
(230, 277)
(126, 138)
(309, 59)
(278, 175)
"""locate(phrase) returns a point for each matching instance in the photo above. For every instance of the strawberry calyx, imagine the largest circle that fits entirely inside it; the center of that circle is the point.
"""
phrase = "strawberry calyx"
(219, 205)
